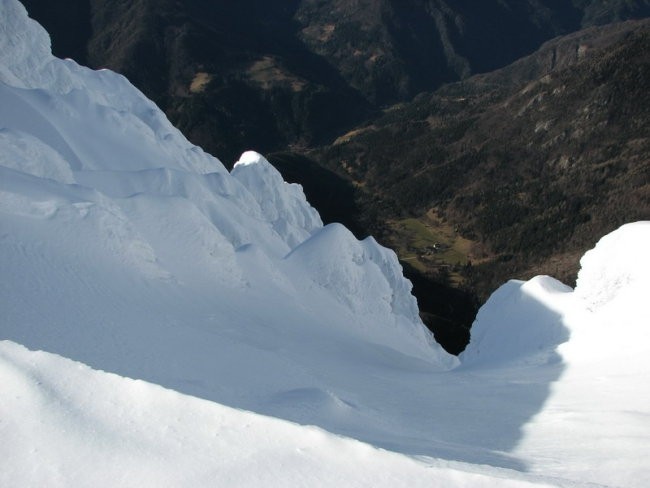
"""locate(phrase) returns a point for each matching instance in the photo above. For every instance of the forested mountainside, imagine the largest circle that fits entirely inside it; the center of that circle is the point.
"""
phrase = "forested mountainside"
(527, 165)
(253, 73)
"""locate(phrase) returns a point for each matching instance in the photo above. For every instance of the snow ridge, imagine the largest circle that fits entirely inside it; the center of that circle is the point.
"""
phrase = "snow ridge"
(520, 322)
(616, 266)
(281, 203)
(95, 166)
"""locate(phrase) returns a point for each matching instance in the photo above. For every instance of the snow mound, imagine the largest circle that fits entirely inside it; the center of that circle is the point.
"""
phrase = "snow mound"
(336, 260)
(521, 321)
(282, 204)
(612, 290)
(618, 265)
(367, 278)
(528, 321)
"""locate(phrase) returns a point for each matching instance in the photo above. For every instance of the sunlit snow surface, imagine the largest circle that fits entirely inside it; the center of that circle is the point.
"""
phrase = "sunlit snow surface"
(127, 249)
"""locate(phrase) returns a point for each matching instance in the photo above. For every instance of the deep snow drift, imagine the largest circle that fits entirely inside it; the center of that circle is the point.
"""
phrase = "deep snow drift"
(125, 248)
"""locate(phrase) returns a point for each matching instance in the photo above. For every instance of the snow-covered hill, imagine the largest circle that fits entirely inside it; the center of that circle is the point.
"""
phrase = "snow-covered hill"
(127, 249)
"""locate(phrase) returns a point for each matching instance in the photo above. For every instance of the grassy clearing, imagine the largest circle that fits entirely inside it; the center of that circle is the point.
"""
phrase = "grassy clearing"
(347, 137)
(267, 73)
(200, 81)
(430, 244)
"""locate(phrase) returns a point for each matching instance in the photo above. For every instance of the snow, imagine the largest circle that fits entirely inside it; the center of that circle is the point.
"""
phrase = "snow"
(167, 323)
(281, 203)
(530, 315)
(596, 416)
(615, 267)
(603, 397)
(122, 432)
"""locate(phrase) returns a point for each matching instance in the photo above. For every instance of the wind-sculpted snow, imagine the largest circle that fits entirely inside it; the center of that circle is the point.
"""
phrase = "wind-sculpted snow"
(616, 267)
(366, 278)
(522, 321)
(282, 204)
(156, 203)
(25, 56)
(26, 153)
(124, 247)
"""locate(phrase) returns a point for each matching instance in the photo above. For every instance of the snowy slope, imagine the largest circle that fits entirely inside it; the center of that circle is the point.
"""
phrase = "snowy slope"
(127, 249)
(121, 432)
(596, 417)
(144, 189)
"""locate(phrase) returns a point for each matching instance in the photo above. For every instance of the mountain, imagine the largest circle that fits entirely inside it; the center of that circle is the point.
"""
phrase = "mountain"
(269, 75)
(515, 172)
(168, 322)
(233, 76)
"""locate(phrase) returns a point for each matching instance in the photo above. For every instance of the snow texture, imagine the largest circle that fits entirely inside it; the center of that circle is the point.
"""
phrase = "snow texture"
(158, 311)
(529, 314)
(281, 203)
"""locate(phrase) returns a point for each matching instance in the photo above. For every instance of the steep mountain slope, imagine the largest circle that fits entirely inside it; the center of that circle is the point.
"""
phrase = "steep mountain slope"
(265, 75)
(125, 247)
(391, 50)
(233, 76)
(529, 164)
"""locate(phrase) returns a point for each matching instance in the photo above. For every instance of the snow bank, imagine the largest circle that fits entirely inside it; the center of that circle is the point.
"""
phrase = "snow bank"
(282, 204)
(173, 211)
(73, 125)
(368, 279)
(617, 266)
(521, 321)
(128, 248)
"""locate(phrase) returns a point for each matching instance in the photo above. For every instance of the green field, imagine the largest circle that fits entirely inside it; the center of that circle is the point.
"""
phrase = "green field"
(428, 244)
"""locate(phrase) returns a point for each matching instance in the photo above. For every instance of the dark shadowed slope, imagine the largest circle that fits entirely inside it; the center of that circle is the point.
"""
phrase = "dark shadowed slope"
(238, 75)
